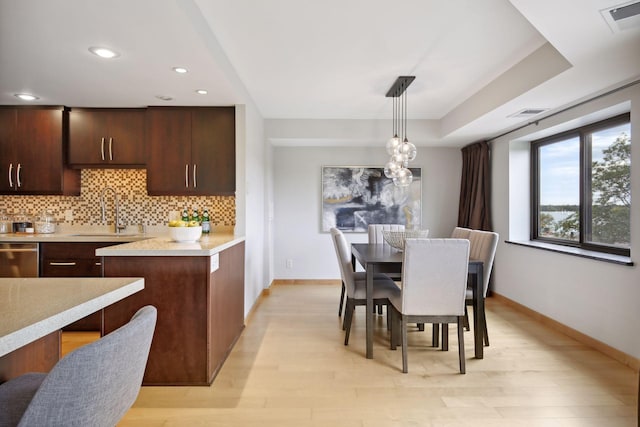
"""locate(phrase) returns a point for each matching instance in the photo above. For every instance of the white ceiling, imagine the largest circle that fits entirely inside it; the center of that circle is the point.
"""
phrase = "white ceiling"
(475, 62)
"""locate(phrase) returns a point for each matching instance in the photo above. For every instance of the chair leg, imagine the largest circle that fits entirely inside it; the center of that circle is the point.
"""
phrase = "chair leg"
(341, 300)
(466, 319)
(435, 335)
(348, 317)
(461, 345)
(445, 337)
(486, 332)
(394, 317)
(405, 367)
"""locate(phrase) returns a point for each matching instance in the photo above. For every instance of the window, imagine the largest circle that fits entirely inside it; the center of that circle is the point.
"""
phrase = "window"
(581, 187)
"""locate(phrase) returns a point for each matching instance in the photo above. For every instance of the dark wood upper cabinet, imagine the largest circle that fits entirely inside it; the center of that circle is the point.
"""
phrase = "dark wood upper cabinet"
(32, 144)
(191, 151)
(106, 138)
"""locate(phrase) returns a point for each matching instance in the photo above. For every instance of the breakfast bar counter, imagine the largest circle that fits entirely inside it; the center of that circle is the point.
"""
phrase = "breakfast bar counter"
(32, 309)
(198, 290)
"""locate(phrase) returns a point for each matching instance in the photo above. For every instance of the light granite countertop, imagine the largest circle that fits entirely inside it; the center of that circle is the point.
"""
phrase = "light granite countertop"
(31, 308)
(157, 243)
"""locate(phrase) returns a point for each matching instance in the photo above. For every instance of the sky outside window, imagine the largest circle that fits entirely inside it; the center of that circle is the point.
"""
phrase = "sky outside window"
(560, 172)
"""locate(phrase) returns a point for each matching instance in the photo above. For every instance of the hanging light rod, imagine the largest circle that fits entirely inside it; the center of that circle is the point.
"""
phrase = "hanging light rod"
(399, 86)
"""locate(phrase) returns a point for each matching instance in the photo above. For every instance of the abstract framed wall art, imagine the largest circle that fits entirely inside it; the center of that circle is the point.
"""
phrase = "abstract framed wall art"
(355, 196)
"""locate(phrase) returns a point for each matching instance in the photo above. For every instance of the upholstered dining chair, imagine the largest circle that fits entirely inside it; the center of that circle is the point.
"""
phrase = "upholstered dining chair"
(457, 233)
(94, 385)
(355, 282)
(460, 233)
(375, 231)
(434, 283)
(483, 247)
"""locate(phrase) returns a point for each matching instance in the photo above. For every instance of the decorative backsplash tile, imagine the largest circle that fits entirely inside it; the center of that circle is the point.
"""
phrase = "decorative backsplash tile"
(135, 205)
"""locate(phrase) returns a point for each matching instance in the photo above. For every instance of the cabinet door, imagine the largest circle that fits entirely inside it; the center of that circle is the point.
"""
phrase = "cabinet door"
(86, 132)
(125, 144)
(168, 136)
(213, 150)
(39, 148)
(106, 137)
(7, 148)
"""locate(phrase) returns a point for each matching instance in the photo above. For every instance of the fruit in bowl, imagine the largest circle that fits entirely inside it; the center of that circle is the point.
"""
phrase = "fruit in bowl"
(183, 231)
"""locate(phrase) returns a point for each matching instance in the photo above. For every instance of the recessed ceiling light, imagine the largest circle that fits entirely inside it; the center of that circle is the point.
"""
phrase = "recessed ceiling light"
(180, 70)
(26, 96)
(164, 97)
(201, 92)
(103, 52)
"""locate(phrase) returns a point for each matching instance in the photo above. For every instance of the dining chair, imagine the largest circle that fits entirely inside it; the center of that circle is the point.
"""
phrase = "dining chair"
(94, 385)
(355, 283)
(460, 233)
(434, 283)
(483, 247)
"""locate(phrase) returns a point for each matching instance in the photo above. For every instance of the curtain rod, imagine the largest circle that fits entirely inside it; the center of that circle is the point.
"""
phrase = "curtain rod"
(628, 85)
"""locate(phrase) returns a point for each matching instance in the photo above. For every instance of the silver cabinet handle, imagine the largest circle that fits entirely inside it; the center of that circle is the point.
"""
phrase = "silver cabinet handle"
(18, 181)
(102, 148)
(64, 264)
(98, 263)
(10, 173)
(186, 176)
(110, 148)
(195, 183)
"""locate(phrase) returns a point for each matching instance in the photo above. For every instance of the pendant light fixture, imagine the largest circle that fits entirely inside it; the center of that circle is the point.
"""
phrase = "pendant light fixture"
(399, 148)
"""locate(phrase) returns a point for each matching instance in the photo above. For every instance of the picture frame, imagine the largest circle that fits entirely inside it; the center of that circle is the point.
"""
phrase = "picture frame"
(355, 196)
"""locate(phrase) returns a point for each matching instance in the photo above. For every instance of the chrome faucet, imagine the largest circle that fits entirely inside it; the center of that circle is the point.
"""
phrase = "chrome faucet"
(118, 224)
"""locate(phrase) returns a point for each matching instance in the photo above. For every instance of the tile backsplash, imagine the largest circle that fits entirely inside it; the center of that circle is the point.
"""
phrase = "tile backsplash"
(136, 206)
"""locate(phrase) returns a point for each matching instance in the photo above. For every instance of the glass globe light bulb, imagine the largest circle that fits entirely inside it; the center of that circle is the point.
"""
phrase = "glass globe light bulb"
(403, 178)
(392, 144)
(408, 150)
(391, 168)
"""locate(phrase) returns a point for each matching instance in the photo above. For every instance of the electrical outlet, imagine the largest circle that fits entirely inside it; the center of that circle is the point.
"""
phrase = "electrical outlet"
(68, 215)
(289, 264)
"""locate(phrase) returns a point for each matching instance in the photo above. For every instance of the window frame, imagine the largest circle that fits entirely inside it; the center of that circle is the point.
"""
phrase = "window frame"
(583, 133)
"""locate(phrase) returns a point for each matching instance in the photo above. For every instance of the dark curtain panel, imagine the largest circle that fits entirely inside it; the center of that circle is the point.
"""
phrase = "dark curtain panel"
(475, 202)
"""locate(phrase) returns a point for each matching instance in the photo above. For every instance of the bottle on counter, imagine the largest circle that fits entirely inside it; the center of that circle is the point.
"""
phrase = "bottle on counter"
(194, 215)
(185, 215)
(206, 222)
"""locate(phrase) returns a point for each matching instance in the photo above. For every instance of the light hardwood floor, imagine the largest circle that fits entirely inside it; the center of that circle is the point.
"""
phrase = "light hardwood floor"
(290, 368)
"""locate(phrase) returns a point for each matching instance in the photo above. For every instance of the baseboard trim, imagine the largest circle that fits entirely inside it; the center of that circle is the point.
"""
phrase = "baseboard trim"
(306, 282)
(249, 317)
(624, 358)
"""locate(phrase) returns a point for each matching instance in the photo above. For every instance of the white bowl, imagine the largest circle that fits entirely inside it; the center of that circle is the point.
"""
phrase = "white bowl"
(396, 238)
(185, 234)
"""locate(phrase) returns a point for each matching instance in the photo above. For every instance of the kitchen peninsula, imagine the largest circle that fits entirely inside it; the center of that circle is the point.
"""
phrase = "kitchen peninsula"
(198, 289)
(33, 310)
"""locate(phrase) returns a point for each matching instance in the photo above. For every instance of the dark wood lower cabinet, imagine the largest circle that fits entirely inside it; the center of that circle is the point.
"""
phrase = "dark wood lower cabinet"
(200, 313)
(74, 259)
(38, 356)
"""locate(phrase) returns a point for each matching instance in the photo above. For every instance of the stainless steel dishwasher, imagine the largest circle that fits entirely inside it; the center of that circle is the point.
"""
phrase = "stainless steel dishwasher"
(18, 260)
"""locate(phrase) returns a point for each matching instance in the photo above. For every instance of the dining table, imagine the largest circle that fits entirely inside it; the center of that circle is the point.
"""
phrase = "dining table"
(383, 258)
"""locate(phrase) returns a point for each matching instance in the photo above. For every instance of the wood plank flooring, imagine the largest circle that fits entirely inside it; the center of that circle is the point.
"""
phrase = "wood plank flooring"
(290, 368)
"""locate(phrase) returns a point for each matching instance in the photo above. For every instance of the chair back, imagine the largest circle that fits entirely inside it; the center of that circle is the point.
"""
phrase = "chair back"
(95, 385)
(375, 231)
(483, 248)
(460, 233)
(434, 276)
(343, 253)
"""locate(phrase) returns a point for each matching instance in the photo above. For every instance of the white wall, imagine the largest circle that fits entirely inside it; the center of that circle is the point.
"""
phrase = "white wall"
(596, 298)
(251, 199)
(297, 202)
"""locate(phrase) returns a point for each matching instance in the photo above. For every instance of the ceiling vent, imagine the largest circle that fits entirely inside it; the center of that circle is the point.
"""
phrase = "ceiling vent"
(625, 16)
(528, 112)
